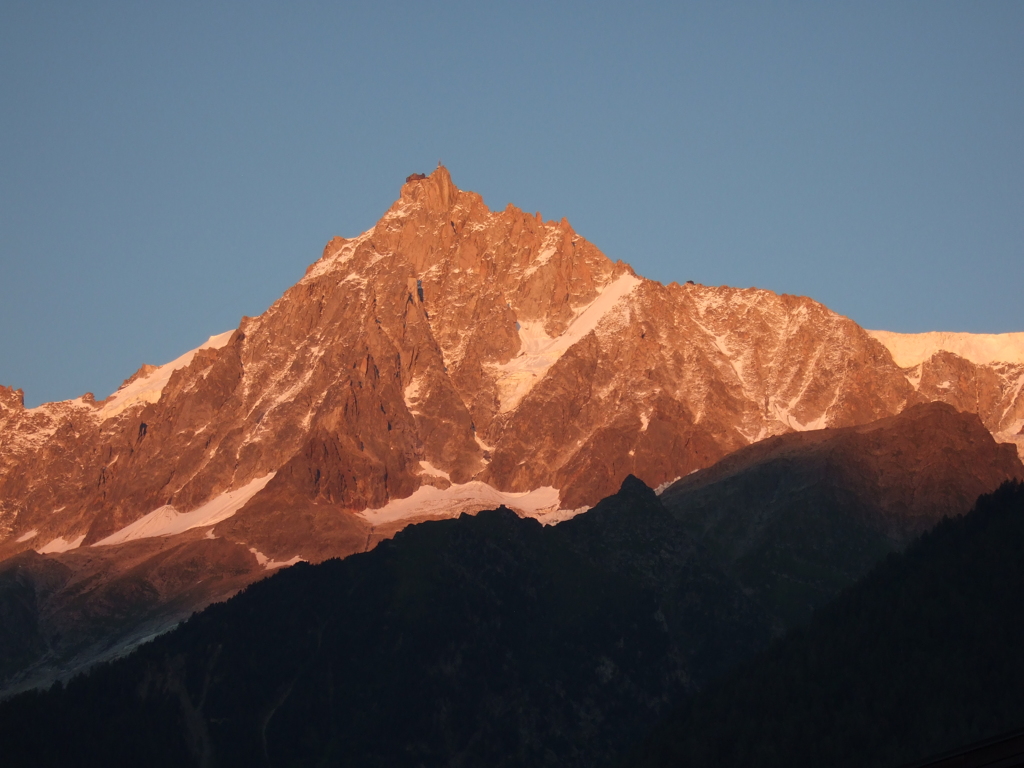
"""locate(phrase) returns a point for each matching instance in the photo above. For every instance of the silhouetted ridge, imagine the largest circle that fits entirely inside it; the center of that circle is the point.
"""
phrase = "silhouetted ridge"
(634, 486)
(483, 640)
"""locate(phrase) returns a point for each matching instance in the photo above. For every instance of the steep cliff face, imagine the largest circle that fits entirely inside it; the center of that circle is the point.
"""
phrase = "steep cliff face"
(451, 358)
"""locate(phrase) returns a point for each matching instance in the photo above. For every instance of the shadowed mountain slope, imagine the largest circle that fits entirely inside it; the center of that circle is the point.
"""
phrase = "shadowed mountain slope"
(495, 640)
(920, 657)
(486, 640)
(797, 517)
(792, 520)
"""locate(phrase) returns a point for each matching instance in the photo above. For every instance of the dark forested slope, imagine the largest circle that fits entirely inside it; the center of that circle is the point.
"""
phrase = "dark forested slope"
(486, 640)
(921, 656)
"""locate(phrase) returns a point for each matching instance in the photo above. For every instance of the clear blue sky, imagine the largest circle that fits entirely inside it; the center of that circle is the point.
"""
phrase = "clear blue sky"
(166, 168)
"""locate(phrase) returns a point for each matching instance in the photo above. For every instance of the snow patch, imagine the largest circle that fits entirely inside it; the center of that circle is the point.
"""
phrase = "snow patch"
(167, 521)
(148, 388)
(645, 420)
(909, 349)
(271, 565)
(914, 375)
(786, 417)
(548, 248)
(426, 468)
(61, 545)
(27, 535)
(346, 252)
(538, 351)
(1014, 435)
(474, 496)
(664, 486)
(412, 394)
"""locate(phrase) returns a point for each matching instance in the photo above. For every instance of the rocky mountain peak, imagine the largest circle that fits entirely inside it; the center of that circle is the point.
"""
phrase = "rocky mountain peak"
(11, 398)
(435, 193)
(453, 358)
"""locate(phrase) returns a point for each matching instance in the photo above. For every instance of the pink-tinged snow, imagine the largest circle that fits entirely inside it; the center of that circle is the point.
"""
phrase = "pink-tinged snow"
(426, 468)
(471, 497)
(147, 389)
(271, 565)
(412, 395)
(548, 248)
(27, 535)
(538, 351)
(784, 415)
(340, 257)
(167, 521)
(61, 545)
(1014, 434)
(908, 349)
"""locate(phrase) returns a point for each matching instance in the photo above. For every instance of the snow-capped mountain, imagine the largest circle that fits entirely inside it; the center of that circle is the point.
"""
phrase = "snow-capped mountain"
(453, 358)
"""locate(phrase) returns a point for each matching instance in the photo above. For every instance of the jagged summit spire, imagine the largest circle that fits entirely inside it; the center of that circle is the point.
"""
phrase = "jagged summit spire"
(435, 192)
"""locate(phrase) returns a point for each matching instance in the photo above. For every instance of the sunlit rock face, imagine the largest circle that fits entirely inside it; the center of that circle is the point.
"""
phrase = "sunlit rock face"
(450, 359)
(486, 355)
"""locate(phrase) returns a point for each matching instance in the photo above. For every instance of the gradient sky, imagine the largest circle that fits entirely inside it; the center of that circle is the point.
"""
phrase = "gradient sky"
(166, 168)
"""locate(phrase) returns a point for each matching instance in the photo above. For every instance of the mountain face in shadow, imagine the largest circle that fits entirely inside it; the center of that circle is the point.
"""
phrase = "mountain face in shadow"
(487, 640)
(62, 613)
(494, 640)
(920, 657)
(798, 517)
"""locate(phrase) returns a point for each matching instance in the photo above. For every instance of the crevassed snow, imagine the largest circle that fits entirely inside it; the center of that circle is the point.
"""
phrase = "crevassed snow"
(471, 497)
(148, 388)
(167, 521)
(538, 351)
(908, 349)
(61, 544)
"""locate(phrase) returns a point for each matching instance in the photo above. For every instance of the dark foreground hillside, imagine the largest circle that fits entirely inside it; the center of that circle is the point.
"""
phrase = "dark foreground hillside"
(798, 517)
(922, 656)
(486, 640)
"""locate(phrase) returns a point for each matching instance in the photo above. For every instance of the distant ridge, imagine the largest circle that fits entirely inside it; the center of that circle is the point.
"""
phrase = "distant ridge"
(909, 349)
